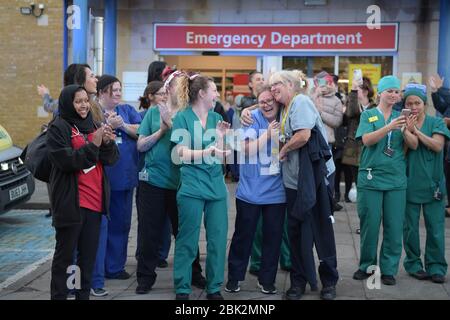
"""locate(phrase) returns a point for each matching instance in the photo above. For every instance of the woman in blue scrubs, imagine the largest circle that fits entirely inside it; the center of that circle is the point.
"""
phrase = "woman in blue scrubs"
(123, 176)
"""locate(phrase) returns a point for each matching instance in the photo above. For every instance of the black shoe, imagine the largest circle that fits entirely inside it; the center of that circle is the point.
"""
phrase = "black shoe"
(337, 197)
(232, 286)
(337, 207)
(199, 281)
(162, 264)
(214, 296)
(253, 272)
(123, 276)
(437, 278)
(388, 280)
(314, 288)
(182, 296)
(346, 199)
(294, 293)
(120, 276)
(328, 293)
(361, 275)
(267, 288)
(143, 289)
(420, 275)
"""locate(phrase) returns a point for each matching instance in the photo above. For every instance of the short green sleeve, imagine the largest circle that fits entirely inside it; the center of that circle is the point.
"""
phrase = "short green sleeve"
(364, 125)
(440, 128)
(145, 127)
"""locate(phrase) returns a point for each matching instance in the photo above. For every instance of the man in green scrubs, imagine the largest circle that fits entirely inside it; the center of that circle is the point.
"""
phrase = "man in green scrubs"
(202, 190)
(382, 183)
(426, 187)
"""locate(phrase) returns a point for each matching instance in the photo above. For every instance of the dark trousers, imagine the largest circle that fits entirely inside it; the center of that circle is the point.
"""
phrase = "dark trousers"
(247, 216)
(82, 237)
(348, 178)
(303, 235)
(154, 204)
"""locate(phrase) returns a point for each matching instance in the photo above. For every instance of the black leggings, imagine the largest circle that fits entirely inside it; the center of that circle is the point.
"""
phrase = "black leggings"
(350, 175)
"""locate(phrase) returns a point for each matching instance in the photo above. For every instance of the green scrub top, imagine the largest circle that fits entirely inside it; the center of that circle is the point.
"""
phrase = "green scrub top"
(387, 173)
(161, 170)
(198, 180)
(425, 167)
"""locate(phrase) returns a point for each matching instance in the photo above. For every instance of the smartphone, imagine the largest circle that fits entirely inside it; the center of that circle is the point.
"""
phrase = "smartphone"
(405, 112)
(322, 82)
(357, 75)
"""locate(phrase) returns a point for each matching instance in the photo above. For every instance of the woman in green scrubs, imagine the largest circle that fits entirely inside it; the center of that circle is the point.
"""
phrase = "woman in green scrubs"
(198, 133)
(382, 183)
(426, 187)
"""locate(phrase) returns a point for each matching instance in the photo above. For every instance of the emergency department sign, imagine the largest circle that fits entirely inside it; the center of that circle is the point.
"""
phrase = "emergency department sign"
(264, 37)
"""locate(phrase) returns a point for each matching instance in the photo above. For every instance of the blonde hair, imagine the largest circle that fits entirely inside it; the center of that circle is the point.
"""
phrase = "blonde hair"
(96, 110)
(188, 87)
(294, 77)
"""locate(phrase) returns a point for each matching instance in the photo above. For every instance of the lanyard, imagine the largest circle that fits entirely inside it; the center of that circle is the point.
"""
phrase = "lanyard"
(390, 132)
(285, 114)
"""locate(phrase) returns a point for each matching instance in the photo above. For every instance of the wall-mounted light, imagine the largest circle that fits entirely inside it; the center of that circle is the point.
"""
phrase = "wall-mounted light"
(30, 10)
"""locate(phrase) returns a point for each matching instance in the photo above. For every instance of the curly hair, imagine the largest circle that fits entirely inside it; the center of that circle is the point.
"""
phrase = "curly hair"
(188, 86)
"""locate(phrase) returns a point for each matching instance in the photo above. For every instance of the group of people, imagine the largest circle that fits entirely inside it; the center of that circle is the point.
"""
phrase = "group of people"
(174, 154)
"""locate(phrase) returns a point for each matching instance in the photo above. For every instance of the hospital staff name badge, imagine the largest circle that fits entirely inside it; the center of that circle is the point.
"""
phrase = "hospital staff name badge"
(143, 175)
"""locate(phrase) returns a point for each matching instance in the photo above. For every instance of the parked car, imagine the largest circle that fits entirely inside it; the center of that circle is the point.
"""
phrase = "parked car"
(16, 182)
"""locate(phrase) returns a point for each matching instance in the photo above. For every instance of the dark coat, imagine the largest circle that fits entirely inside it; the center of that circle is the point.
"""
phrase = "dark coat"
(248, 101)
(352, 147)
(66, 163)
(314, 196)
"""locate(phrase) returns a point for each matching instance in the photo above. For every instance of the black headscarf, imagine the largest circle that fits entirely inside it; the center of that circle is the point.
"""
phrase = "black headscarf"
(67, 110)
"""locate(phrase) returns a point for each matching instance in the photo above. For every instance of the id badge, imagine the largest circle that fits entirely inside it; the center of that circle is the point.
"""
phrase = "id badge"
(143, 175)
(85, 171)
(388, 151)
(118, 140)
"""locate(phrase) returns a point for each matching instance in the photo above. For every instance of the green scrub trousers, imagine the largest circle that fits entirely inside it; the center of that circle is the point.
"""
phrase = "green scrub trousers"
(285, 254)
(434, 217)
(376, 207)
(190, 213)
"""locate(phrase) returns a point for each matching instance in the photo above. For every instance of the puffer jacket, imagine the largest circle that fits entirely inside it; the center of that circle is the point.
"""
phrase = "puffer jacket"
(331, 111)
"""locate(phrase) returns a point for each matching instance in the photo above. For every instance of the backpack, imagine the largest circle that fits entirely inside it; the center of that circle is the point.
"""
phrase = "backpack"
(35, 158)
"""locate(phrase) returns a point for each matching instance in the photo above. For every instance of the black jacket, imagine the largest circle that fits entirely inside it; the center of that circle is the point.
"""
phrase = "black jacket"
(248, 101)
(66, 163)
(313, 196)
(441, 101)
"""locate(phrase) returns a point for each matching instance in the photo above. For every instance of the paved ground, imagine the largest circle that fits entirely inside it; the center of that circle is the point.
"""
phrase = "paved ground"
(26, 239)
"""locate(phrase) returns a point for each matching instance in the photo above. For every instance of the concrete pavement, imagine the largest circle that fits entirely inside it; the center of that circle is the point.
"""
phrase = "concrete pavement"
(34, 283)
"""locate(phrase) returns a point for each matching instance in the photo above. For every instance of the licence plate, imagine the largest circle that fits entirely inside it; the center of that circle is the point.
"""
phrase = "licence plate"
(18, 192)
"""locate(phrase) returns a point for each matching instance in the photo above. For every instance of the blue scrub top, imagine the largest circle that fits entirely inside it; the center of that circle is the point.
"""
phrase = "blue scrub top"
(124, 174)
(255, 185)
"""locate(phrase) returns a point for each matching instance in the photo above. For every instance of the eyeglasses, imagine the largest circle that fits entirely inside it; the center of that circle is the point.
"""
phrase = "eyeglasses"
(275, 84)
(267, 102)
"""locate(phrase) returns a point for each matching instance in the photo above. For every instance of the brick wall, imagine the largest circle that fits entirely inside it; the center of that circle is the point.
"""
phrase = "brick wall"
(29, 55)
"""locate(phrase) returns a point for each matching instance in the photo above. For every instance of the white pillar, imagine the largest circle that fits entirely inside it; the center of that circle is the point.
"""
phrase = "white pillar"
(271, 64)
